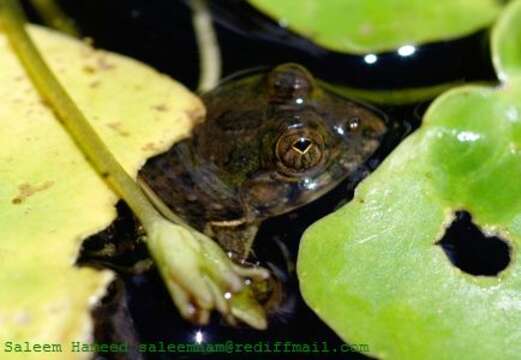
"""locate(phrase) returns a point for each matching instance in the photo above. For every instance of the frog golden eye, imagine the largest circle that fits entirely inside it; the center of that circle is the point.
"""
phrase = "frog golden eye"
(299, 151)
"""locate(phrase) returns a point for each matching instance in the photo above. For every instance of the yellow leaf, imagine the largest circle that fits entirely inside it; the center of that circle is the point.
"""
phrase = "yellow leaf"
(51, 198)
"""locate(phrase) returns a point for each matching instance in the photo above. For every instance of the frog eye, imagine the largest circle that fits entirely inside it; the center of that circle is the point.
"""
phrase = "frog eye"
(289, 82)
(302, 145)
(299, 151)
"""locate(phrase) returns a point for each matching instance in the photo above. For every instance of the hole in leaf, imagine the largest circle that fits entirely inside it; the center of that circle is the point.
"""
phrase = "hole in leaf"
(472, 251)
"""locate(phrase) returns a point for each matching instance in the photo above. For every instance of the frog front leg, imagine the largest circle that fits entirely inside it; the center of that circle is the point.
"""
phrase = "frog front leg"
(235, 236)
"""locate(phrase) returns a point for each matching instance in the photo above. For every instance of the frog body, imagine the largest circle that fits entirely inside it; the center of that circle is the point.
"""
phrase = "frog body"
(271, 142)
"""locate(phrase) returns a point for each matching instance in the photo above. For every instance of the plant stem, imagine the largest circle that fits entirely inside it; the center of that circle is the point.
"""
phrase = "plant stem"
(53, 16)
(209, 53)
(72, 118)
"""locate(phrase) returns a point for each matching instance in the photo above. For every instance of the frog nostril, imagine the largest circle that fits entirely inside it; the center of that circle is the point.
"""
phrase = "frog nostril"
(302, 145)
(353, 123)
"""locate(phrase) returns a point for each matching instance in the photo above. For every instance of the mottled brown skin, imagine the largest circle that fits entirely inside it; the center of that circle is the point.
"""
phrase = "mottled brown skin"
(271, 143)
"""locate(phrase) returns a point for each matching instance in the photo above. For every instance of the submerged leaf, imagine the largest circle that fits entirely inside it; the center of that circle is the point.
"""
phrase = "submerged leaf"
(51, 198)
(386, 281)
(361, 27)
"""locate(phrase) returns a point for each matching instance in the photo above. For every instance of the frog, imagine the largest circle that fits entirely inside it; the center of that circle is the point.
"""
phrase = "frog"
(271, 143)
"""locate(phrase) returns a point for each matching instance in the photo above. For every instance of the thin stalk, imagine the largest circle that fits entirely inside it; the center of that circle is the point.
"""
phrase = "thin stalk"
(53, 16)
(209, 53)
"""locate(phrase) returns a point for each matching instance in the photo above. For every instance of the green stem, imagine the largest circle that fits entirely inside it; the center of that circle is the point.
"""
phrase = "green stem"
(72, 118)
(209, 52)
(392, 97)
(53, 16)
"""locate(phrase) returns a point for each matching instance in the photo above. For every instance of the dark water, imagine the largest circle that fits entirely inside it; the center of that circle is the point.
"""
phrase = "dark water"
(431, 64)
(159, 33)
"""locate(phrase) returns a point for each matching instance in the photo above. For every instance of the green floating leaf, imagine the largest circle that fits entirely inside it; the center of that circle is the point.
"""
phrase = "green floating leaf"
(386, 282)
(506, 44)
(361, 27)
(50, 196)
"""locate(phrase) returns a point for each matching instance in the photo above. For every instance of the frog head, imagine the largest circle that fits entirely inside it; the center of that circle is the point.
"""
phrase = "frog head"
(280, 140)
